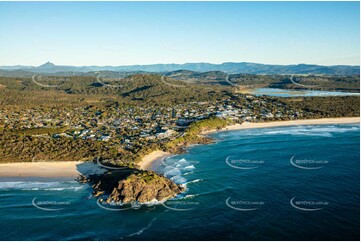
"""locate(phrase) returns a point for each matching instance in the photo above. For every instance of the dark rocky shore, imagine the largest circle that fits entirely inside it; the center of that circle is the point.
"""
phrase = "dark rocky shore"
(132, 185)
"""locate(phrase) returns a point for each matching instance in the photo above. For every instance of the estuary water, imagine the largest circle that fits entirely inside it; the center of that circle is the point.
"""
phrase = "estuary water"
(277, 92)
(284, 183)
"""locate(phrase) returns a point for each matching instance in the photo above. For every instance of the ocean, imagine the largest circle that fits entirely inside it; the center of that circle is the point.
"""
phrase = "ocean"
(284, 183)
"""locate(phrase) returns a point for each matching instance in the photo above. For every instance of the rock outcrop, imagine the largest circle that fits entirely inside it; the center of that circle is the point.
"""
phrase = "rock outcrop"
(132, 185)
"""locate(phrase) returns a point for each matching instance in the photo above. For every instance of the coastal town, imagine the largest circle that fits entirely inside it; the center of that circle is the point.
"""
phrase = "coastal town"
(86, 120)
(135, 126)
(180, 120)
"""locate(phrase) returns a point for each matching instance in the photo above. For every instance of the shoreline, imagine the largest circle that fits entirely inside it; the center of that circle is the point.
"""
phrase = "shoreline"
(249, 125)
(151, 162)
(51, 169)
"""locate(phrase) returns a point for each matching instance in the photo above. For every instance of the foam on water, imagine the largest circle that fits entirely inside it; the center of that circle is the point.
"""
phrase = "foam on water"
(302, 130)
(189, 168)
(175, 169)
(194, 181)
(210, 184)
(190, 196)
(35, 186)
(187, 173)
(172, 172)
(182, 162)
(75, 188)
(179, 180)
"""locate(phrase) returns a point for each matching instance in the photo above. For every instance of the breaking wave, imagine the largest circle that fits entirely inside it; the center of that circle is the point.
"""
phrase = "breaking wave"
(36, 186)
(190, 196)
(194, 181)
(302, 130)
(179, 179)
(175, 169)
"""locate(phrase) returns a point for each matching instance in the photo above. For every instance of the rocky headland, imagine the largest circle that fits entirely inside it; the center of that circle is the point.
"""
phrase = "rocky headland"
(132, 185)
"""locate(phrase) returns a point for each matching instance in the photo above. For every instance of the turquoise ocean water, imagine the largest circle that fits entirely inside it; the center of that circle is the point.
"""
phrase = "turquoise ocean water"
(284, 183)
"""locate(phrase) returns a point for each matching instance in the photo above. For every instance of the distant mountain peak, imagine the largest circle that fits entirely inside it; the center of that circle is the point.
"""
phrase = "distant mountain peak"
(227, 67)
(47, 65)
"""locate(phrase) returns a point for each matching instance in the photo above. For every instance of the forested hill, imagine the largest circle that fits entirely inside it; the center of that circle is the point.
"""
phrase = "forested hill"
(88, 81)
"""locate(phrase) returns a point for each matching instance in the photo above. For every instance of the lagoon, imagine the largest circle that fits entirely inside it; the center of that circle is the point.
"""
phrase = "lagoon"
(277, 92)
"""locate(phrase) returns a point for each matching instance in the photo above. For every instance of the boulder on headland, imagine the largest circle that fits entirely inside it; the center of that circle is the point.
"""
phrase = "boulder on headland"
(132, 185)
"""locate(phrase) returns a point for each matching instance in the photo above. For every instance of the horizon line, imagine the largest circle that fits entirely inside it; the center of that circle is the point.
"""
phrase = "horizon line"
(202, 62)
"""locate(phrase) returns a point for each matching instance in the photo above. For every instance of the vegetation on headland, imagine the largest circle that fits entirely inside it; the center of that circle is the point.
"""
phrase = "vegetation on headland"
(193, 134)
(131, 185)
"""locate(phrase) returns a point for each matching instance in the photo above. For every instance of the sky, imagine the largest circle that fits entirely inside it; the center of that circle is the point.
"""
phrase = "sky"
(128, 33)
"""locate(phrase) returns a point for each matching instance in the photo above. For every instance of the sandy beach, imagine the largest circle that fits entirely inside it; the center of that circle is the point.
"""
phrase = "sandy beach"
(153, 160)
(248, 125)
(71, 169)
